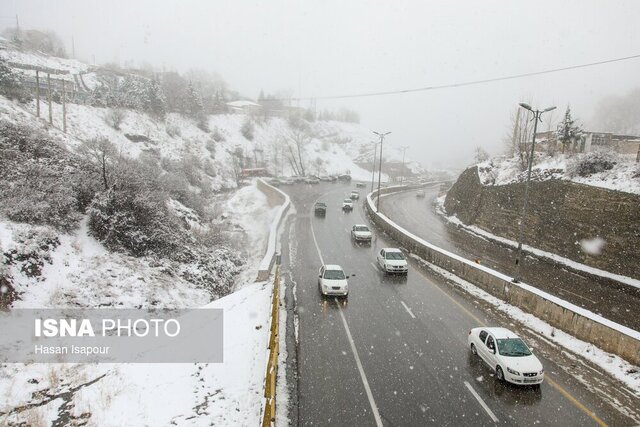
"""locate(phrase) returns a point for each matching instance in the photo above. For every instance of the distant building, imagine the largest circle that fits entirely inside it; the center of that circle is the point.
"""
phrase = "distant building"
(595, 141)
(244, 107)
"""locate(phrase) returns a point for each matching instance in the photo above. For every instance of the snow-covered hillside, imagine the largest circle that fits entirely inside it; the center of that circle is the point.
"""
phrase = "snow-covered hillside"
(614, 172)
(330, 147)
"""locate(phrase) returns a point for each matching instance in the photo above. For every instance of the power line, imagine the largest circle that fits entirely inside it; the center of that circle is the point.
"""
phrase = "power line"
(471, 82)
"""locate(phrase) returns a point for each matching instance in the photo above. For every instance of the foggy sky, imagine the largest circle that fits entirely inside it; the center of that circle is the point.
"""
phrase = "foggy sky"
(323, 48)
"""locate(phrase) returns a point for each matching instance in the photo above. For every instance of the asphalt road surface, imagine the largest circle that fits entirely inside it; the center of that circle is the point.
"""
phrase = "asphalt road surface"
(394, 352)
(611, 299)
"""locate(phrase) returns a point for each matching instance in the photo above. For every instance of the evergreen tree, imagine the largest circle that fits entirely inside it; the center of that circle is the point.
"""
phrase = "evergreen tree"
(192, 103)
(154, 101)
(568, 131)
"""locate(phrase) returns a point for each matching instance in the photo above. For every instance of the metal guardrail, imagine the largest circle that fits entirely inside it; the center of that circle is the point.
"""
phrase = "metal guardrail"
(269, 418)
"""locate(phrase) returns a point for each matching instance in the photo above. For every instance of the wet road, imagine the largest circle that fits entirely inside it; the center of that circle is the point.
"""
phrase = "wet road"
(394, 353)
(611, 299)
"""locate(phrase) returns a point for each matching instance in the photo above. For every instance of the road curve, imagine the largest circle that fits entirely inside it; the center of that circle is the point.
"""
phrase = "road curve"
(610, 299)
(394, 353)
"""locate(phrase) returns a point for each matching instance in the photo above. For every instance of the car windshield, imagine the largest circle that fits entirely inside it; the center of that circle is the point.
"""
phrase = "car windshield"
(362, 228)
(394, 255)
(347, 201)
(334, 275)
(513, 347)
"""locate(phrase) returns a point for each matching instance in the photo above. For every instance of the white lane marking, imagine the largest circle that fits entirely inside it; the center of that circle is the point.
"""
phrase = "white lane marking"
(408, 309)
(372, 402)
(313, 233)
(375, 267)
(363, 377)
(484, 405)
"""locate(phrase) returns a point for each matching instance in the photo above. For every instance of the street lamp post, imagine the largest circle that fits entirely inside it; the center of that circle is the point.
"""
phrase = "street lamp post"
(381, 135)
(404, 152)
(373, 166)
(536, 118)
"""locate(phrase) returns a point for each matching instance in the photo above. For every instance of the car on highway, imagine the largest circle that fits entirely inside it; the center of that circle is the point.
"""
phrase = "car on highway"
(275, 182)
(393, 261)
(347, 205)
(361, 233)
(344, 178)
(361, 184)
(355, 195)
(311, 180)
(333, 281)
(507, 355)
(320, 209)
(421, 194)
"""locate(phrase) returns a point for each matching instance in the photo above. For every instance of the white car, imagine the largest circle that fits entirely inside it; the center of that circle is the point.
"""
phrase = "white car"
(392, 260)
(333, 281)
(354, 195)
(347, 205)
(506, 354)
(361, 233)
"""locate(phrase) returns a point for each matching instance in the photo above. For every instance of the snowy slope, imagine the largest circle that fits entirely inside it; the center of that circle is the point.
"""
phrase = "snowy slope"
(624, 176)
(202, 394)
(333, 147)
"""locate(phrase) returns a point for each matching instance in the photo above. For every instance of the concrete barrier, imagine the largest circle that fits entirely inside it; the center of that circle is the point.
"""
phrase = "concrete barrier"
(576, 321)
(274, 197)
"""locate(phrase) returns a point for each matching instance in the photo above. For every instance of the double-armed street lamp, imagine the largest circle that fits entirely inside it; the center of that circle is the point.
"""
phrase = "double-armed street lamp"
(536, 118)
(381, 135)
(373, 165)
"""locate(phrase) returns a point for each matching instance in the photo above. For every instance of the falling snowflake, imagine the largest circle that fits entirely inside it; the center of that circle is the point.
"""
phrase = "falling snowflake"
(593, 246)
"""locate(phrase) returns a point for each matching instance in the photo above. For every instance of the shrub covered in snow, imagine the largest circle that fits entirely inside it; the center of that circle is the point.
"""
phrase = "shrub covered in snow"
(33, 246)
(134, 220)
(213, 270)
(10, 84)
(41, 182)
(591, 163)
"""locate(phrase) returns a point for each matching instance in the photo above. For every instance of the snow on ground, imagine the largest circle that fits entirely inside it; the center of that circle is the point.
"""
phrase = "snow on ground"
(42, 60)
(80, 272)
(538, 252)
(251, 214)
(619, 368)
(201, 394)
(624, 176)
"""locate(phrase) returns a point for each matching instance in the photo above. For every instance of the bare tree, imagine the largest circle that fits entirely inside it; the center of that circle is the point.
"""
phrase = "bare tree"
(103, 154)
(297, 139)
(480, 154)
(115, 117)
(237, 164)
(518, 139)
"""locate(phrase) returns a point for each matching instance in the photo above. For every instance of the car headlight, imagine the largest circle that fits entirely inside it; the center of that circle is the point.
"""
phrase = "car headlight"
(511, 371)
(541, 372)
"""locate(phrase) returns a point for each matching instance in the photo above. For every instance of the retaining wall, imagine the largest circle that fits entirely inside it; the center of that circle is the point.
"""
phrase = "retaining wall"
(561, 214)
(578, 322)
(275, 197)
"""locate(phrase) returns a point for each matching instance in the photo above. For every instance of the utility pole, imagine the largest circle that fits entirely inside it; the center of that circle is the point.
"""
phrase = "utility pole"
(64, 108)
(536, 119)
(373, 165)
(404, 151)
(381, 135)
(37, 93)
(17, 30)
(49, 96)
